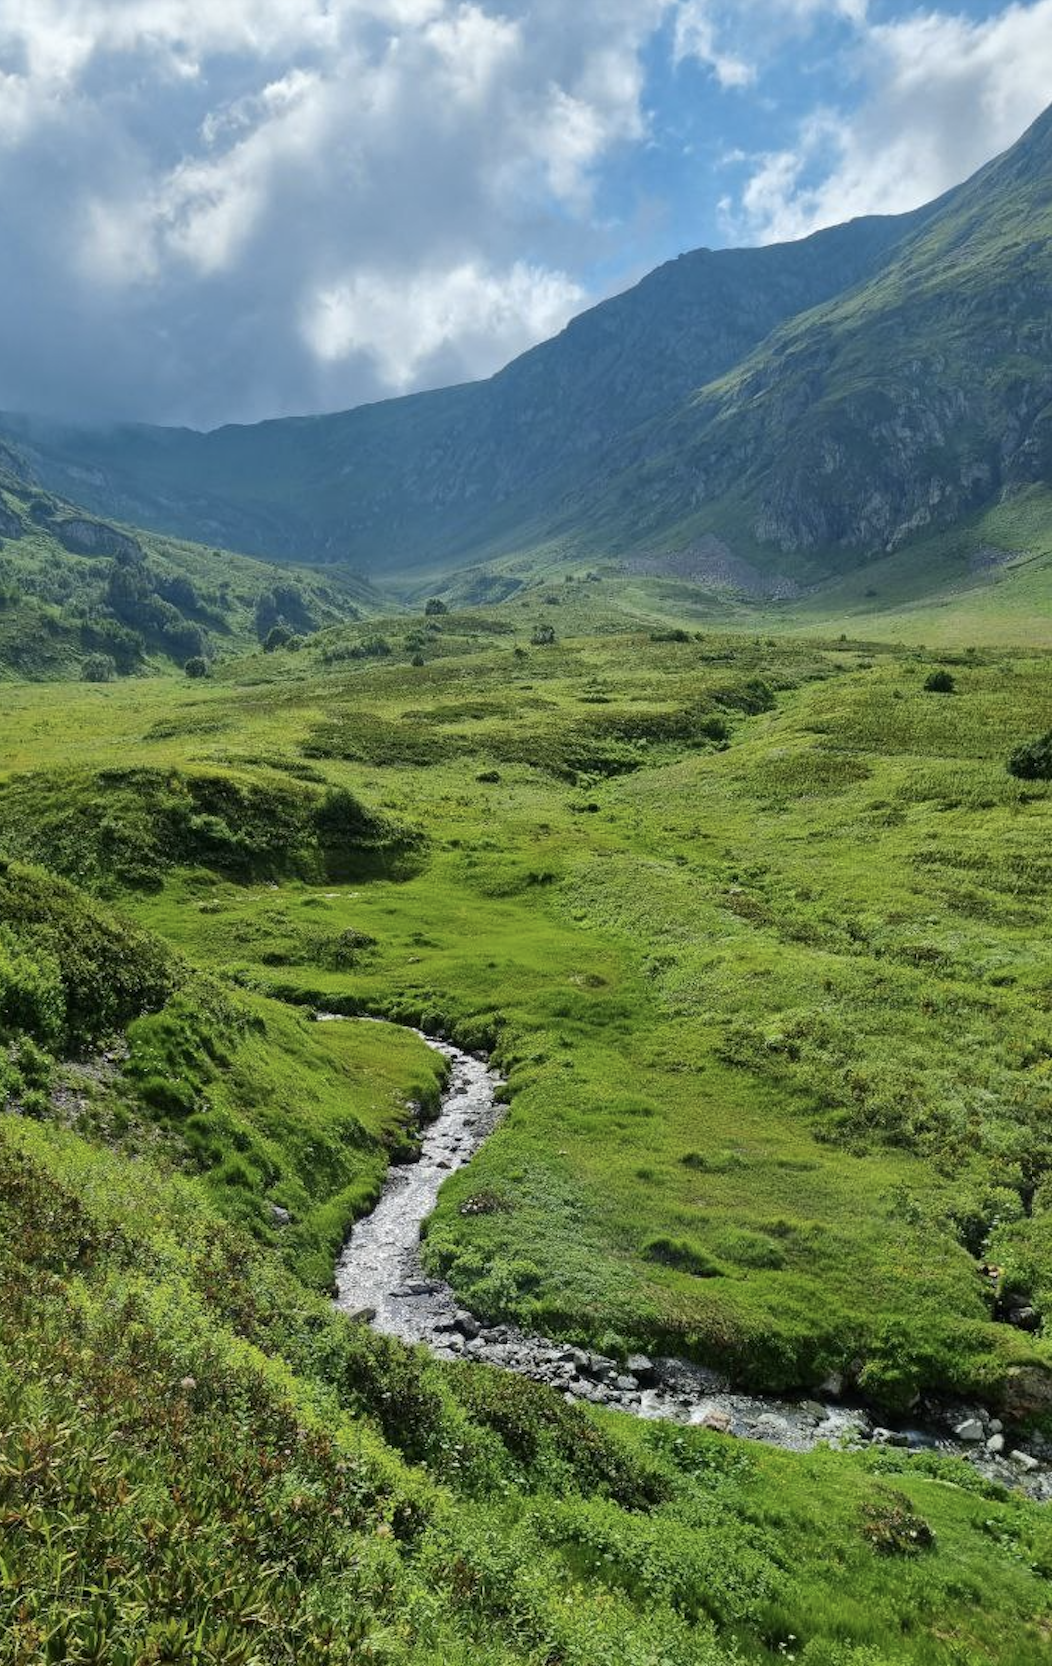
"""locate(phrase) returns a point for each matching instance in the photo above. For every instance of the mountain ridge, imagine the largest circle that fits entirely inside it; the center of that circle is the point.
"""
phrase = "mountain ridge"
(704, 401)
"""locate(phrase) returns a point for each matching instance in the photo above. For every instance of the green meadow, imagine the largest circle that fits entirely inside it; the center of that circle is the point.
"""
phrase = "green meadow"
(755, 928)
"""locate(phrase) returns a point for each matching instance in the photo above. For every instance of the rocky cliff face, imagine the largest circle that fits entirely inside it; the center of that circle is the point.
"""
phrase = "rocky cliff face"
(807, 403)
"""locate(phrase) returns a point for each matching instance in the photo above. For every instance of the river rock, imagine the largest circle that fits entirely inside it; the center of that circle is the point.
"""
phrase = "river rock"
(626, 1384)
(467, 1325)
(814, 1409)
(601, 1369)
(996, 1445)
(889, 1437)
(995, 1426)
(769, 1426)
(833, 1385)
(1028, 1392)
(362, 1316)
(1024, 1461)
(280, 1216)
(640, 1367)
(1024, 1317)
(970, 1430)
(716, 1419)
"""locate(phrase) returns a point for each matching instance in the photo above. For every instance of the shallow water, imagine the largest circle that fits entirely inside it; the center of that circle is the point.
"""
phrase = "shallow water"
(379, 1276)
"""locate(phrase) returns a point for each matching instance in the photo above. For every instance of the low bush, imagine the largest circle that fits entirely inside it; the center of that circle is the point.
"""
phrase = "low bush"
(71, 973)
(940, 682)
(683, 1254)
(1033, 761)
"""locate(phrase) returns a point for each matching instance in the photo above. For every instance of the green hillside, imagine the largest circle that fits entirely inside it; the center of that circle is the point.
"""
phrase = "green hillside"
(430, 481)
(85, 597)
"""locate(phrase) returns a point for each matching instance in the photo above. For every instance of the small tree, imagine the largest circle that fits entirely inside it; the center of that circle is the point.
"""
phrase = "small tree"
(434, 607)
(375, 647)
(98, 668)
(940, 682)
(1033, 761)
(196, 666)
(543, 636)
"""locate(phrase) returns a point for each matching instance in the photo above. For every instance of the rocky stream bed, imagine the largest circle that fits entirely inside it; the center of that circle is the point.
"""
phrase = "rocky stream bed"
(380, 1280)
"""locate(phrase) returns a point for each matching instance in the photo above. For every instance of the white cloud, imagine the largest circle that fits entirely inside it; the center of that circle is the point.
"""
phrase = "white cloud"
(184, 182)
(697, 37)
(401, 322)
(945, 94)
(736, 39)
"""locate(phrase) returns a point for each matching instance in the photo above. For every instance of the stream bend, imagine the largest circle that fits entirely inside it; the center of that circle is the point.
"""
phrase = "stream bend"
(380, 1279)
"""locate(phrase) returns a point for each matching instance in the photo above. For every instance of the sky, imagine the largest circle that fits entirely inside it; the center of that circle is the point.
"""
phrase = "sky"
(226, 210)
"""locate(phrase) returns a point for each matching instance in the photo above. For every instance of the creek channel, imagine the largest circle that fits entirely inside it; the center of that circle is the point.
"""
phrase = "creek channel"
(380, 1279)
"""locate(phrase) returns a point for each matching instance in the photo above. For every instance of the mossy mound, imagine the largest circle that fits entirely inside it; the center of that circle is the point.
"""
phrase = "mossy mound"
(127, 828)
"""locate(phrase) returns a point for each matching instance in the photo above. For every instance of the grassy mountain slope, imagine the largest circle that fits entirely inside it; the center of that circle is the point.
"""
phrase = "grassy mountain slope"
(426, 480)
(811, 405)
(903, 404)
(76, 590)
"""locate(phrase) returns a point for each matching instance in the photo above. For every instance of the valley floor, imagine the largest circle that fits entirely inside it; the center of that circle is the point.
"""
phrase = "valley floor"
(755, 930)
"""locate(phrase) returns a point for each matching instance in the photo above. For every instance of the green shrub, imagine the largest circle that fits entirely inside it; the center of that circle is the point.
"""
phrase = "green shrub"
(940, 682)
(98, 668)
(532, 1425)
(1033, 761)
(32, 997)
(74, 973)
(893, 1528)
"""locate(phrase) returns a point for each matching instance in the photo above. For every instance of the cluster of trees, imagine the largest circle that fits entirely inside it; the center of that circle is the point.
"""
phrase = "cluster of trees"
(145, 608)
(133, 597)
(285, 607)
